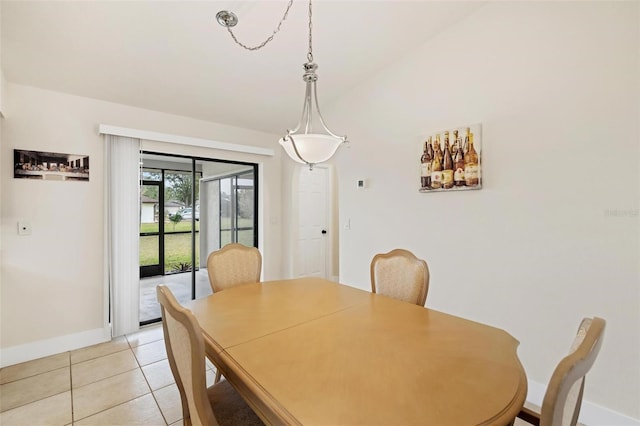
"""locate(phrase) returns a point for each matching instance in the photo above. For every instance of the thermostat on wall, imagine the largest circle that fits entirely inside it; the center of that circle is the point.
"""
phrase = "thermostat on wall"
(362, 183)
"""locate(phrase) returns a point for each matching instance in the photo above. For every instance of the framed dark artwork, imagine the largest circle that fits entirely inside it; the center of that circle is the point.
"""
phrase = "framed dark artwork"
(451, 160)
(40, 165)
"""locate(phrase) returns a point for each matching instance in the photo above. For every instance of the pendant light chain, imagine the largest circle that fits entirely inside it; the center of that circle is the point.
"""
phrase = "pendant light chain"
(310, 54)
(261, 45)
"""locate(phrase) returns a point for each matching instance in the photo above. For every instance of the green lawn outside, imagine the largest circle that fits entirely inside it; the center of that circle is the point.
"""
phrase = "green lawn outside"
(178, 246)
(184, 225)
(177, 249)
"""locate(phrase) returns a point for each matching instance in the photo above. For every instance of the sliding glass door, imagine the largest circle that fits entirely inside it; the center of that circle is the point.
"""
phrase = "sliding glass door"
(190, 207)
(237, 207)
(229, 201)
(151, 260)
(181, 220)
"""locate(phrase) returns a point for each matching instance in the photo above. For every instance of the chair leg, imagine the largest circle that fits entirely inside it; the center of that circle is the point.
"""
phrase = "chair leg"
(218, 375)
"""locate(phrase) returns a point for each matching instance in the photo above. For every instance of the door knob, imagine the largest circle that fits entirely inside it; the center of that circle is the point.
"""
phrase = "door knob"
(324, 231)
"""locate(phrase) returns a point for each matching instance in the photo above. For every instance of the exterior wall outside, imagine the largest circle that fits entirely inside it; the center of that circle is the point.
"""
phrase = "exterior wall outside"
(146, 213)
(548, 240)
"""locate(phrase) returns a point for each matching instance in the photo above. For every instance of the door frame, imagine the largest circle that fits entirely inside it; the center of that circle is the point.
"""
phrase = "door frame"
(155, 270)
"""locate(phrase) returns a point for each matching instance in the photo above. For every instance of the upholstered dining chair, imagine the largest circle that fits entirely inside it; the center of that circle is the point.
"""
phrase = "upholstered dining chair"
(401, 275)
(563, 398)
(219, 404)
(233, 264)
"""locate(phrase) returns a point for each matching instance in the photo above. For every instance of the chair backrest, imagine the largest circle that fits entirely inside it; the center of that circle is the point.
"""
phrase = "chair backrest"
(185, 350)
(401, 275)
(233, 264)
(563, 398)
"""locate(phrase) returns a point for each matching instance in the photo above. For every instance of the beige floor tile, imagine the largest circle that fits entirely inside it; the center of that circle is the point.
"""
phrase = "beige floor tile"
(158, 374)
(34, 388)
(96, 369)
(107, 393)
(116, 345)
(31, 368)
(169, 401)
(146, 335)
(178, 423)
(54, 410)
(150, 353)
(139, 411)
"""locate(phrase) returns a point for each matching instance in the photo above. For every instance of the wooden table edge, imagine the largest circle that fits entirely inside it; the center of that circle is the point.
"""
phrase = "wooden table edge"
(259, 399)
(510, 412)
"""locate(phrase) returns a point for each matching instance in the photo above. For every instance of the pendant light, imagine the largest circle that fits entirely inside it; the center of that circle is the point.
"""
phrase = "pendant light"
(303, 144)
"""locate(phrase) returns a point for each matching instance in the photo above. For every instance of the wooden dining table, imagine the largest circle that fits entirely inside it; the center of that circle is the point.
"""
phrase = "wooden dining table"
(314, 352)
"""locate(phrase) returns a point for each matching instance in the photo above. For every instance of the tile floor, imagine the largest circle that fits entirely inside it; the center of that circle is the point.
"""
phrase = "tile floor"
(123, 382)
(180, 285)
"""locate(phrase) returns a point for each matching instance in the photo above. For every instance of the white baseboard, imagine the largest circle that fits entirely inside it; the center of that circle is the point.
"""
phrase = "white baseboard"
(590, 413)
(41, 348)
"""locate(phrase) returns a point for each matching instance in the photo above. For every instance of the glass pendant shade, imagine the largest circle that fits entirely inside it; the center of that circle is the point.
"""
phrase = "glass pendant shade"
(302, 144)
(312, 147)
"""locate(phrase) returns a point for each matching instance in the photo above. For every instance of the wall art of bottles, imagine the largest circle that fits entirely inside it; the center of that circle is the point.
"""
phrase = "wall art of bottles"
(451, 160)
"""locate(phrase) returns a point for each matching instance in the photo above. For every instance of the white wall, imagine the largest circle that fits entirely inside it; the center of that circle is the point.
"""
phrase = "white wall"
(52, 281)
(2, 80)
(2, 90)
(553, 236)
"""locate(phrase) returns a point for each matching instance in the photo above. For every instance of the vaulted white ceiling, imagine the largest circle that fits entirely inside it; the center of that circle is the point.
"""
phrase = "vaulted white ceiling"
(172, 56)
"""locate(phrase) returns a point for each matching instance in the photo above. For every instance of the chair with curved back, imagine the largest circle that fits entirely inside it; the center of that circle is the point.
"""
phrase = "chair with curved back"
(401, 275)
(563, 398)
(219, 404)
(233, 264)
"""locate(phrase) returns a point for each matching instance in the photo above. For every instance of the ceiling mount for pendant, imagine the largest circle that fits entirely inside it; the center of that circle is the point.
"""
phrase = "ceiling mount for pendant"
(227, 19)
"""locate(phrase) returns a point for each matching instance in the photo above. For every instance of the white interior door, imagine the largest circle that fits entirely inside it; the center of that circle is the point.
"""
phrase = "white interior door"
(313, 222)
